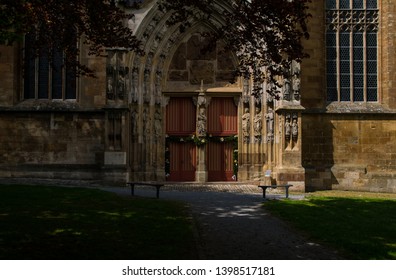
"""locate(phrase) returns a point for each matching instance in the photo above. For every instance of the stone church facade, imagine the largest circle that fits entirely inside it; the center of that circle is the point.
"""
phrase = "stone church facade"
(173, 114)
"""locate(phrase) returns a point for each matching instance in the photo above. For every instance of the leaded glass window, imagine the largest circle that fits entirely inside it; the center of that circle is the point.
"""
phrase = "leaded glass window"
(351, 50)
(46, 77)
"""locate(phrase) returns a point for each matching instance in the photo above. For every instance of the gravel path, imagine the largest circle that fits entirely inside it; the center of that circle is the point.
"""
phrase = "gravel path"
(233, 225)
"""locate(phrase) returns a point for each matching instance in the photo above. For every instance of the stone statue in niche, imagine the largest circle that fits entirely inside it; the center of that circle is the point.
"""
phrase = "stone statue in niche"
(121, 87)
(201, 122)
(201, 101)
(110, 73)
(270, 125)
(246, 125)
(110, 88)
(294, 128)
(158, 77)
(286, 89)
(258, 125)
(296, 80)
(135, 78)
(157, 124)
(287, 128)
(146, 123)
(134, 122)
(270, 92)
(296, 87)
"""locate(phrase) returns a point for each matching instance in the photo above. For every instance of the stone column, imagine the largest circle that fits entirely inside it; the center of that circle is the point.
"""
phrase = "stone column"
(201, 174)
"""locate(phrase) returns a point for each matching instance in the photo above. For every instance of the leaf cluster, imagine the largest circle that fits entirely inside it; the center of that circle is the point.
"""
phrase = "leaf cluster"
(265, 35)
(57, 25)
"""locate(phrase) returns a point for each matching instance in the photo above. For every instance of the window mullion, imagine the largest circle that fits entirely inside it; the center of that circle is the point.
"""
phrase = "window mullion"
(338, 63)
(351, 64)
(365, 65)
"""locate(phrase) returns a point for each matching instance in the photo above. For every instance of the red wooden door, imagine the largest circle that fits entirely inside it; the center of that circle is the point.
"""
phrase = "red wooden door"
(222, 122)
(182, 161)
(220, 161)
(180, 122)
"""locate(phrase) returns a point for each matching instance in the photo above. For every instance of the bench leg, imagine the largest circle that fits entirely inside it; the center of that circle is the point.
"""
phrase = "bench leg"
(264, 191)
(158, 189)
(287, 192)
(132, 190)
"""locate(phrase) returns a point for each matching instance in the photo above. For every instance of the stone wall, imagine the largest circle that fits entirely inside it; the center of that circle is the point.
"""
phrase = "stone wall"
(51, 144)
(350, 152)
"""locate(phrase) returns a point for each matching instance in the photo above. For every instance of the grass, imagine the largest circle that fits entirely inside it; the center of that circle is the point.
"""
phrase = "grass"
(359, 225)
(41, 222)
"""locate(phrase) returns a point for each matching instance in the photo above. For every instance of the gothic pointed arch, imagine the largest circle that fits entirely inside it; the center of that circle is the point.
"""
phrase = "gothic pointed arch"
(150, 73)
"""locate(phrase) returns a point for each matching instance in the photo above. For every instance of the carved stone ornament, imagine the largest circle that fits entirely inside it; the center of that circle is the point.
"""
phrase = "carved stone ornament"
(258, 125)
(201, 122)
(246, 125)
(294, 127)
(270, 125)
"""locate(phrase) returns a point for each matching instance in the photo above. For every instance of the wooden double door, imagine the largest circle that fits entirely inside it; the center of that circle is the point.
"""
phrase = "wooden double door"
(182, 152)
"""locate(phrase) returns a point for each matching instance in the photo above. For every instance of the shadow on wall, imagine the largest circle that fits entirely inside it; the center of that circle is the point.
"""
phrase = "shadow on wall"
(318, 152)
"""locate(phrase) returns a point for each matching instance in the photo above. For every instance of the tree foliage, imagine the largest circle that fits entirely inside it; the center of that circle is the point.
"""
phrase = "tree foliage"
(56, 25)
(265, 34)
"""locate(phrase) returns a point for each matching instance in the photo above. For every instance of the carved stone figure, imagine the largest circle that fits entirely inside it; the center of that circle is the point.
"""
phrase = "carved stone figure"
(134, 122)
(146, 123)
(110, 88)
(287, 128)
(246, 125)
(158, 77)
(121, 87)
(270, 125)
(294, 129)
(286, 89)
(157, 124)
(296, 87)
(201, 122)
(258, 124)
(296, 80)
(135, 78)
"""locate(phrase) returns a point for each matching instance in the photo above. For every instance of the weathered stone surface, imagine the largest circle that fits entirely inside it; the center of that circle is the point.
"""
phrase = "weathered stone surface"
(179, 60)
(201, 71)
(178, 76)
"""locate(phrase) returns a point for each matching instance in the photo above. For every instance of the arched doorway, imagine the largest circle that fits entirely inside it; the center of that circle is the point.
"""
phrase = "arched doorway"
(218, 147)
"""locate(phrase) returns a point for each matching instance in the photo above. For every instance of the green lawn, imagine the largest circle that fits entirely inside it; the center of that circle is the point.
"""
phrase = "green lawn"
(38, 222)
(359, 225)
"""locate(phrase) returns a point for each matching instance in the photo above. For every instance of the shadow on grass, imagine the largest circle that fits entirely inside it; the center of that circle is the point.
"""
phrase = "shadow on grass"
(39, 222)
(359, 228)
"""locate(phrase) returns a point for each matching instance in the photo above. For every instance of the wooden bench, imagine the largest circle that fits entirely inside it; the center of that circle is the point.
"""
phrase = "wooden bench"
(157, 185)
(265, 187)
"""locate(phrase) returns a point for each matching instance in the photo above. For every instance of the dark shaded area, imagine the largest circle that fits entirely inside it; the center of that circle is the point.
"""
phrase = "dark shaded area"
(74, 223)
